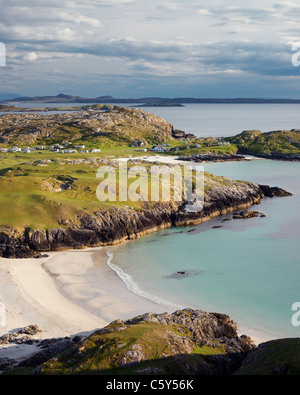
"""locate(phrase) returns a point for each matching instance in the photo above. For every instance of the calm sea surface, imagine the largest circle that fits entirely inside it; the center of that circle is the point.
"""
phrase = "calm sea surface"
(249, 269)
(230, 119)
(216, 119)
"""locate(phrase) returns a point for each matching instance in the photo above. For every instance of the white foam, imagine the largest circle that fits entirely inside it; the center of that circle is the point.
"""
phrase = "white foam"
(135, 289)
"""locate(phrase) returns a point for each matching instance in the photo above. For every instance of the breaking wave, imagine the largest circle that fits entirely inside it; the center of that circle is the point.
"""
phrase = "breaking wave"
(135, 289)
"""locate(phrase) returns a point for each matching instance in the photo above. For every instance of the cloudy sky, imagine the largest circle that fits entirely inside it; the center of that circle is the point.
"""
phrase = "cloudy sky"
(139, 48)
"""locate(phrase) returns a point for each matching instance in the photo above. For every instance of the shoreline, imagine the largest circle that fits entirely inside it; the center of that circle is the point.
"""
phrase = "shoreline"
(74, 291)
(69, 293)
(62, 303)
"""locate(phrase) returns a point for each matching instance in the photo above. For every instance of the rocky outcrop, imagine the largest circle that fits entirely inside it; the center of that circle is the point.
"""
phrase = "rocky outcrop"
(165, 343)
(180, 134)
(117, 225)
(212, 157)
(274, 191)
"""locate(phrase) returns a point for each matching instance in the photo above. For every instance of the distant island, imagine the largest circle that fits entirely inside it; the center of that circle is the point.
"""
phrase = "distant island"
(146, 101)
(161, 105)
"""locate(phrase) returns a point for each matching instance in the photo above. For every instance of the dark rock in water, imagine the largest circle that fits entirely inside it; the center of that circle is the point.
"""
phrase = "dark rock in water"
(184, 274)
(216, 227)
(274, 191)
(246, 214)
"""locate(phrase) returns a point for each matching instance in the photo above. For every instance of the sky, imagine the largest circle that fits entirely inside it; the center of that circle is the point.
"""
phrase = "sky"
(139, 48)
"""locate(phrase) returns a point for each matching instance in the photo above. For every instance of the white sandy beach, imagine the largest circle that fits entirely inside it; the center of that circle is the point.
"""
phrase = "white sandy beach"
(70, 292)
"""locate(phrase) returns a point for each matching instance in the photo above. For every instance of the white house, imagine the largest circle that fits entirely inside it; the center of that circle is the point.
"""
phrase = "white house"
(95, 150)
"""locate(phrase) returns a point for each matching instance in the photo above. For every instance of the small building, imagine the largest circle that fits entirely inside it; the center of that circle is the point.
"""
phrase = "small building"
(57, 146)
(14, 149)
(80, 146)
(95, 150)
(176, 149)
(158, 148)
(138, 144)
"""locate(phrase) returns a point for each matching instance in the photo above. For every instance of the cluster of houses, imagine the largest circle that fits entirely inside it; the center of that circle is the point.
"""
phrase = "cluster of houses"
(54, 148)
(62, 148)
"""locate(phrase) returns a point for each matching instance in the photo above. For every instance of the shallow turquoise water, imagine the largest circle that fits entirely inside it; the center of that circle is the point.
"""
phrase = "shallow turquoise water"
(249, 269)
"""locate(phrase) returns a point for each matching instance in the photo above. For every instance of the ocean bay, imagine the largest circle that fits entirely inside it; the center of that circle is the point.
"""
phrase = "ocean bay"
(247, 268)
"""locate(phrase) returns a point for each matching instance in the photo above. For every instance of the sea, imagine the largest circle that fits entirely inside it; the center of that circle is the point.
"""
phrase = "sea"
(246, 268)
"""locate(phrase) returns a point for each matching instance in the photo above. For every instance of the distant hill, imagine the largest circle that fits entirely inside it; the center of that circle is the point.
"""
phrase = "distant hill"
(8, 96)
(63, 98)
(105, 125)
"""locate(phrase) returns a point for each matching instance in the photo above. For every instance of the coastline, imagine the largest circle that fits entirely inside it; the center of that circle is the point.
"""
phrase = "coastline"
(62, 303)
(118, 224)
(69, 293)
(74, 291)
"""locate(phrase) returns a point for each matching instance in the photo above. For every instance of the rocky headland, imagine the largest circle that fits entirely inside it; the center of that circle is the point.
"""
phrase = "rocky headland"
(186, 342)
(119, 224)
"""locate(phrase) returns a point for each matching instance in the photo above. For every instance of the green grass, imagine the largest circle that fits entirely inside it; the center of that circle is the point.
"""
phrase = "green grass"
(102, 352)
(30, 183)
(280, 356)
(271, 143)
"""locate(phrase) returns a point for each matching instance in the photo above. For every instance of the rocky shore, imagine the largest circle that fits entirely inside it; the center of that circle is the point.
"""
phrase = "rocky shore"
(212, 157)
(116, 225)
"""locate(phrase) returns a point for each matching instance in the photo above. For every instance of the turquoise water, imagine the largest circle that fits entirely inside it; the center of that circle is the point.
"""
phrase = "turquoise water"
(249, 269)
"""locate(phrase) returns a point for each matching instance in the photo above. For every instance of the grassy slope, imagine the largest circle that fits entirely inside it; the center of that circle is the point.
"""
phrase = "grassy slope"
(26, 195)
(102, 352)
(277, 357)
(27, 187)
(271, 143)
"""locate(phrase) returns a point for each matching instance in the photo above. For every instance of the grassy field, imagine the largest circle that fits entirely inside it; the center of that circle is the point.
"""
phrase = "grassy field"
(45, 190)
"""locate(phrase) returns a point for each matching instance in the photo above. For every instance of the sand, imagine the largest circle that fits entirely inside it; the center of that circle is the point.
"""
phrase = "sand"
(68, 293)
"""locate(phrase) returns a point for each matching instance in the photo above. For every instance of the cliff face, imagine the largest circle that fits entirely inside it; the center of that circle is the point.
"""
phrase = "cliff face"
(120, 224)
